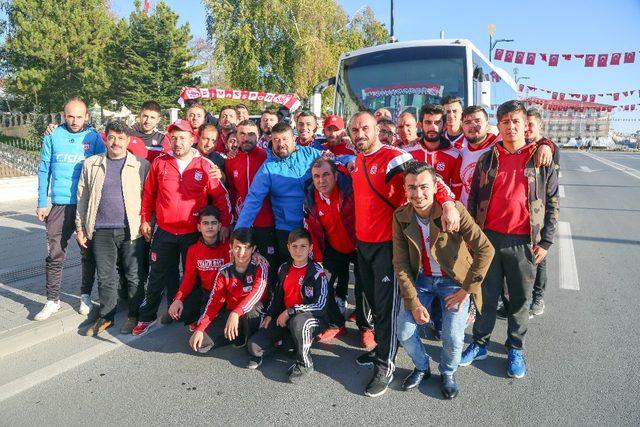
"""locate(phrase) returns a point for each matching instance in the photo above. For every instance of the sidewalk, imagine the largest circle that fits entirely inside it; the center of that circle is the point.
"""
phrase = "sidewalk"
(23, 250)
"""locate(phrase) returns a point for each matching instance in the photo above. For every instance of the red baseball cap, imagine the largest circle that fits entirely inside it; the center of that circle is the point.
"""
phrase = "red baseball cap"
(179, 124)
(334, 120)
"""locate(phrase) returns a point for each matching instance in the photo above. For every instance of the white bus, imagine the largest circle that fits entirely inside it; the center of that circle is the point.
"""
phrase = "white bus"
(406, 75)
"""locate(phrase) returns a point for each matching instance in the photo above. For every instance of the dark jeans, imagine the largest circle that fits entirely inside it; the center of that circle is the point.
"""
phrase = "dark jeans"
(302, 328)
(541, 279)
(337, 264)
(513, 262)
(247, 326)
(194, 304)
(60, 226)
(112, 247)
(167, 250)
(265, 239)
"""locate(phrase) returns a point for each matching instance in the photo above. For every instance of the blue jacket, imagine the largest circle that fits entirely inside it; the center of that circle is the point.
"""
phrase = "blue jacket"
(284, 181)
(61, 163)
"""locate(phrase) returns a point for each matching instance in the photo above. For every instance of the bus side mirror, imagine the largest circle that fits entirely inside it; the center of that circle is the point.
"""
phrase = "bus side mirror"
(483, 94)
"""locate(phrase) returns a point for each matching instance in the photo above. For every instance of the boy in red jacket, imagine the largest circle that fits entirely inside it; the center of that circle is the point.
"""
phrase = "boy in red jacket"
(204, 260)
(234, 309)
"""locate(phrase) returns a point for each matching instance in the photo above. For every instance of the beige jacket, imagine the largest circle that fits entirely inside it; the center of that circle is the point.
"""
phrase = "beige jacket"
(134, 172)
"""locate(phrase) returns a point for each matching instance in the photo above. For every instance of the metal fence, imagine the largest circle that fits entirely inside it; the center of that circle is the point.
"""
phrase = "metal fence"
(19, 157)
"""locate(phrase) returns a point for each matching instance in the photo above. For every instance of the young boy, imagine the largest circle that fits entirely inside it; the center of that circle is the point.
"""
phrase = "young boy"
(297, 309)
(234, 309)
(204, 259)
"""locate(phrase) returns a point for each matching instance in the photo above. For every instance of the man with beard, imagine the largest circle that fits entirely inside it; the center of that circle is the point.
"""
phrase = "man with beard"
(267, 120)
(227, 120)
(337, 141)
(407, 130)
(196, 116)
(453, 133)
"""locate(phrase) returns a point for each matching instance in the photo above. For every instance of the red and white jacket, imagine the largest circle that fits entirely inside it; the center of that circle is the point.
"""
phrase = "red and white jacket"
(443, 160)
(238, 292)
(137, 146)
(176, 198)
(239, 172)
(203, 262)
(458, 142)
(466, 165)
(343, 148)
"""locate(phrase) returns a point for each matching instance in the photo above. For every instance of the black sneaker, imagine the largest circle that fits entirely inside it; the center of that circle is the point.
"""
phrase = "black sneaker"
(378, 384)
(254, 362)
(537, 307)
(501, 312)
(366, 358)
(298, 372)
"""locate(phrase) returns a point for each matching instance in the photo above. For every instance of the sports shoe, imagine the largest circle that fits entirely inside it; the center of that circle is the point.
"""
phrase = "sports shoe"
(516, 368)
(367, 339)
(142, 328)
(378, 384)
(342, 305)
(501, 312)
(414, 379)
(297, 372)
(50, 307)
(473, 352)
(331, 333)
(85, 304)
(99, 326)
(537, 306)
(128, 325)
(166, 319)
(366, 358)
(254, 362)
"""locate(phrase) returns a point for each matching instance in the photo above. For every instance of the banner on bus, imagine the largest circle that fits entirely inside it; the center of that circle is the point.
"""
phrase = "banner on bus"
(397, 90)
(290, 101)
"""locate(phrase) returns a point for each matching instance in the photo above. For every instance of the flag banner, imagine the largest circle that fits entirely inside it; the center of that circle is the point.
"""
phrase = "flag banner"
(603, 58)
(531, 58)
(629, 57)
(553, 60)
(615, 58)
(589, 60)
(288, 100)
(519, 57)
(508, 56)
(498, 55)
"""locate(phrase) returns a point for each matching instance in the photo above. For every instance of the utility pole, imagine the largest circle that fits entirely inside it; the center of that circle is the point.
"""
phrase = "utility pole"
(392, 38)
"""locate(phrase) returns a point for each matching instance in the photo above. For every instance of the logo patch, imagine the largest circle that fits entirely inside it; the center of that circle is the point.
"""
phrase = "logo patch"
(308, 291)
(198, 176)
(373, 170)
(247, 288)
(440, 166)
(249, 279)
(85, 145)
(154, 256)
(385, 279)
(235, 174)
(271, 250)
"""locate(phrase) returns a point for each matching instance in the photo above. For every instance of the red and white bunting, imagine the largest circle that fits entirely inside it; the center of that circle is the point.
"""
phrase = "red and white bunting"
(590, 59)
(289, 100)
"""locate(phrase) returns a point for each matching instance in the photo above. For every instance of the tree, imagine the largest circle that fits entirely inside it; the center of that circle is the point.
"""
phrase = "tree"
(285, 45)
(151, 58)
(55, 50)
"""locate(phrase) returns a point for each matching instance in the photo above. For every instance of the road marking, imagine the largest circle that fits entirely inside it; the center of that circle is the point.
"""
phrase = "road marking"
(559, 174)
(622, 168)
(587, 169)
(568, 266)
(561, 191)
(28, 381)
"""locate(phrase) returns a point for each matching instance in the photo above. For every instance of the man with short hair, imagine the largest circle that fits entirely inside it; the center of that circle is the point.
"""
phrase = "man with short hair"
(146, 141)
(306, 126)
(268, 119)
(196, 116)
(387, 133)
(242, 112)
(378, 191)
(452, 106)
(329, 211)
(63, 151)
(382, 113)
(407, 130)
(227, 120)
(431, 264)
(516, 205)
(177, 187)
(337, 141)
(109, 201)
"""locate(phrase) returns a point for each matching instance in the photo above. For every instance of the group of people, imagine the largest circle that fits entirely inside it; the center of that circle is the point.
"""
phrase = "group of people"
(265, 220)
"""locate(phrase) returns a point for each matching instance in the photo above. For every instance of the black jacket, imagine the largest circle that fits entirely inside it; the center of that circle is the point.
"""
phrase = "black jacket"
(314, 289)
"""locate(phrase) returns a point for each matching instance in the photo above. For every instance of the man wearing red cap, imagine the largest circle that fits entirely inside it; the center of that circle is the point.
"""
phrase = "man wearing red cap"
(337, 141)
(177, 187)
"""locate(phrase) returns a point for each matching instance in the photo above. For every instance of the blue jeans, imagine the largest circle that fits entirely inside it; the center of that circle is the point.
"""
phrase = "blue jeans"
(453, 324)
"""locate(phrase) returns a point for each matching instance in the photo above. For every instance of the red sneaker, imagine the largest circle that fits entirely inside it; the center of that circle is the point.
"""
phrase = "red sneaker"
(352, 316)
(331, 333)
(142, 328)
(367, 339)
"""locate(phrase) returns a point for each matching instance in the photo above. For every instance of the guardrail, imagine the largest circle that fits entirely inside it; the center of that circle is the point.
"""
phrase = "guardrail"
(18, 157)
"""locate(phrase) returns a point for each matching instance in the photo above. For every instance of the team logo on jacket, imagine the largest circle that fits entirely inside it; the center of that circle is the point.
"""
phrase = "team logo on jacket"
(235, 174)
(85, 145)
(210, 264)
(271, 250)
(373, 169)
(198, 175)
(440, 166)
(249, 279)
(308, 291)
(247, 288)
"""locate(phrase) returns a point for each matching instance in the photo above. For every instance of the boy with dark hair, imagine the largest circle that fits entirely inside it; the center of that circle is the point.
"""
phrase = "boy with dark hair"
(452, 106)
(204, 260)
(297, 309)
(233, 312)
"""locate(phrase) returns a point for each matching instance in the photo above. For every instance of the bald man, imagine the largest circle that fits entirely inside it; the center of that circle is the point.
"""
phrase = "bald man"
(63, 152)
(407, 130)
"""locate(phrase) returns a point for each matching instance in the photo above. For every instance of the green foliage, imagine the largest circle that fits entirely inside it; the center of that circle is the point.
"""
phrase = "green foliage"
(149, 58)
(285, 45)
(54, 50)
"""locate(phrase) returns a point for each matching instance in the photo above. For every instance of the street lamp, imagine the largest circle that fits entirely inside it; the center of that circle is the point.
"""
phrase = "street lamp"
(491, 29)
(516, 78)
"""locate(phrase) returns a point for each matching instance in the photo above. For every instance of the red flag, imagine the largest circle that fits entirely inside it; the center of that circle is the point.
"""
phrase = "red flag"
(579, 55)
(520, 87)
(616, 96)
(531, 58)
(508, 56)
(615, 58)
(566, 56)
(561, 95)
(589, 60)
(498, 54)
(543, 56)
(554, 95)
(625, 94)
(519, 57)
(147, 6)
(584, 98)
(553, 60)
(629, 57)
(603, 58)
(592, 98)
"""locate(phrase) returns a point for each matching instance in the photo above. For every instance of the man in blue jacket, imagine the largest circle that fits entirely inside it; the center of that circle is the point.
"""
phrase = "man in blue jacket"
(282, 177)
(63, 152)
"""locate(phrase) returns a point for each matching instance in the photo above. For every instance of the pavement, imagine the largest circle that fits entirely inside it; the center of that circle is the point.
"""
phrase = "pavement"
(581, 353)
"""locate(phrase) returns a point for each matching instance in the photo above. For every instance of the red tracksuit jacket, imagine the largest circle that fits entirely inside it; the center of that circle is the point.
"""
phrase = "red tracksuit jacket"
(203, 262)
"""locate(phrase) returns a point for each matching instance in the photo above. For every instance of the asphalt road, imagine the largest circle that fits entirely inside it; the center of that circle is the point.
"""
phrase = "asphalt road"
(581, 354)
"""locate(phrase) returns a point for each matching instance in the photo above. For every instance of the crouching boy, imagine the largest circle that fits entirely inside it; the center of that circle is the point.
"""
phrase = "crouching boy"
(235, 306)
(297, 310)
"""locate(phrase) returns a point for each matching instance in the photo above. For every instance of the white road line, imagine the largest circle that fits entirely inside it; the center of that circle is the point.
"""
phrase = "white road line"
(559, 174)
(588, 169)
(622, 168)
(561, 191)
(568, 266)
(28, 381)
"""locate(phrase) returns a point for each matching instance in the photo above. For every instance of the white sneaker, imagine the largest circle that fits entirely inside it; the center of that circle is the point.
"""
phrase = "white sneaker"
(342, 305)
(51, 307)
(85, 304)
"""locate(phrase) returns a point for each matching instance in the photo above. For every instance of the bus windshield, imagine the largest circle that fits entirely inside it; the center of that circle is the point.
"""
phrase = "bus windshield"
(400, 79)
